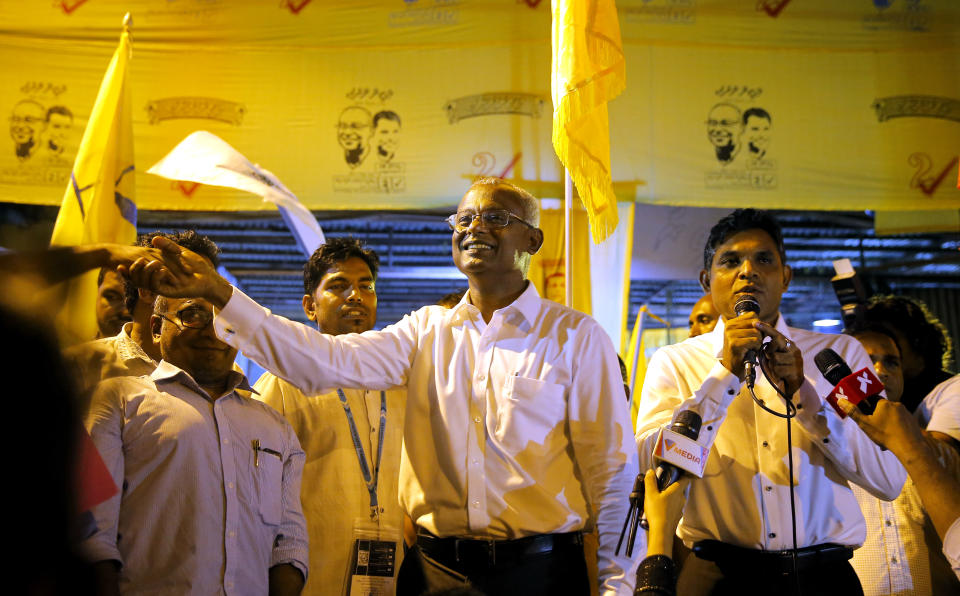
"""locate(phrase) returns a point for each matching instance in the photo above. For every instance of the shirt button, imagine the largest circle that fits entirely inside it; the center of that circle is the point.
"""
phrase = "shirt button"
(772, 535)
(476, 419)
(229, 584)
(730, 392)
(889, 523)
(826, 440)
(709, 427)
(476, 504)
(477, 462)
(226, 441)
(768, 489)
(481, 378)
(893, 559)
(232, 534)
(230, 485)
(766, 444)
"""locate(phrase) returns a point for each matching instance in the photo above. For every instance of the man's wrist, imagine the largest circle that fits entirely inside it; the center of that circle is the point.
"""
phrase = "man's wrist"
(221, 293)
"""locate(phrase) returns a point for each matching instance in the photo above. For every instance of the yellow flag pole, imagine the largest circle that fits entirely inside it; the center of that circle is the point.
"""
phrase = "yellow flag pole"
(638, 325)
(567, 207)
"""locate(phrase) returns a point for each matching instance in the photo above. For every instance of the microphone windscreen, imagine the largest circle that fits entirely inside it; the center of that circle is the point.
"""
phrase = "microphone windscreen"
(831, 366)
(746, 303)
(687, 424)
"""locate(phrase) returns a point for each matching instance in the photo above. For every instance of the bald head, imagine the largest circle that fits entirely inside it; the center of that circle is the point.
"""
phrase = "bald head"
(703, 317)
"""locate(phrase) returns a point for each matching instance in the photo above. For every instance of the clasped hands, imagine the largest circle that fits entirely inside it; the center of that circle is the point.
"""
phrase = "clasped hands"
(173, 271)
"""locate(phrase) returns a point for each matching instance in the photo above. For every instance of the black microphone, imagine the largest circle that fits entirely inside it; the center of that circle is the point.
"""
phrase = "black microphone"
(835, 370)
(744, 304)
(687, 424)
(831, 366)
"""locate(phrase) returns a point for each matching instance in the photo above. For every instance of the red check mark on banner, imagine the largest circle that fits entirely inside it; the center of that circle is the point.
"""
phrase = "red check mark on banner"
(187, 188)
(295, 7)
(68, 7)
(928, 187)
(510, 165)
(772, 7)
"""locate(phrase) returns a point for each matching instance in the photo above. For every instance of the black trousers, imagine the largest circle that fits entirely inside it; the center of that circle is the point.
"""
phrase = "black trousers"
(746, 575)
(563, 570)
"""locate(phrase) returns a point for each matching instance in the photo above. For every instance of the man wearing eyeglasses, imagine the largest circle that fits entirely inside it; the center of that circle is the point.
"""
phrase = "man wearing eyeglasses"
(210, 502)
(517, 437)
(132, 351)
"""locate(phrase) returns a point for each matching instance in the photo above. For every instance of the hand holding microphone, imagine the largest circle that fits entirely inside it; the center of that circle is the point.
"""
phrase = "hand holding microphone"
(861, 388)
(741, 338)
(743, 341)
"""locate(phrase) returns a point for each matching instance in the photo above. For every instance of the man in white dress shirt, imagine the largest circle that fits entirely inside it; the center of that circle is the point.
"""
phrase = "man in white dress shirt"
(340, 297)
(738, 517)
(210, 479)
(517, 436)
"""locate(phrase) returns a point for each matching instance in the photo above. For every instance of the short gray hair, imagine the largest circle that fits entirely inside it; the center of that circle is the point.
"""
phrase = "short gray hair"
(528, 202)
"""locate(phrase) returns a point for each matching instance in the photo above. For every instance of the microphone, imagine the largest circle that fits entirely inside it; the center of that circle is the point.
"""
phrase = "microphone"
(861, 388)
(744, 304)
(677, 450)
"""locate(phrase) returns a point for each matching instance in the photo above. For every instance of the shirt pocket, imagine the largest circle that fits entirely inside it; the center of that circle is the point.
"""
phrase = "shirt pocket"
(269, 479)
(529, 412)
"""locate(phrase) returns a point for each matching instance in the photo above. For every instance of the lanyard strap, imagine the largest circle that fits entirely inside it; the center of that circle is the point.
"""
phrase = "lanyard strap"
(370, 480)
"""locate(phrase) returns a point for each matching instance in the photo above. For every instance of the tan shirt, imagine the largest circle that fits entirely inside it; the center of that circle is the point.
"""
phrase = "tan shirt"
(333, 490)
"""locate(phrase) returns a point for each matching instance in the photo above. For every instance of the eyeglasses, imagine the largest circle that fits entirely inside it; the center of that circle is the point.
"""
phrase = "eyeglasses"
(191, 318)
(497, 218)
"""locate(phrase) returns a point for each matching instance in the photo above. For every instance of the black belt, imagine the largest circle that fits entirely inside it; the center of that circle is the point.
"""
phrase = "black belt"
(737, 559)
(453, 551)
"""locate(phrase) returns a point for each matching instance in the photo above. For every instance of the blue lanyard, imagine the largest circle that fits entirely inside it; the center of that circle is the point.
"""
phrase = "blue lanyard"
(371, 481)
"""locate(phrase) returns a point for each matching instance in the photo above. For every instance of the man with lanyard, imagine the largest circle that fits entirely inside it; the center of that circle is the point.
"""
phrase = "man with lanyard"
(352, 437)
(517, 436)
(765, 482)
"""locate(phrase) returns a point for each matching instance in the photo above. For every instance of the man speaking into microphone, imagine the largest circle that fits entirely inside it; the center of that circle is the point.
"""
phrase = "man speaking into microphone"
(740, 518)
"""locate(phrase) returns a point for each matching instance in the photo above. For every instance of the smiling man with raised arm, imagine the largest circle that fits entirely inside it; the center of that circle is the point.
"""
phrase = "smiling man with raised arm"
(517, 436)
(738, 516)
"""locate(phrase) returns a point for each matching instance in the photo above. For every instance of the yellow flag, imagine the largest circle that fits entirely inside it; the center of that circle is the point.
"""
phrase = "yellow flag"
(588, 71)
(635, 370)
(98, 203)
(547, 267)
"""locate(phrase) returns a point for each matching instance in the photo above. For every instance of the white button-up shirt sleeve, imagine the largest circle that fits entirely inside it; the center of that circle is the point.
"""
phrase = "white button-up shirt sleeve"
(951, 546)
(604, 450)
(940, 409)
(859, 459)
(666, 393)
(313, 361)
(105, 424)
(291, 544)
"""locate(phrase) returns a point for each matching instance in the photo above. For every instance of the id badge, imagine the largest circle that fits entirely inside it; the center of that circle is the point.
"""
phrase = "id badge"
(373, 562)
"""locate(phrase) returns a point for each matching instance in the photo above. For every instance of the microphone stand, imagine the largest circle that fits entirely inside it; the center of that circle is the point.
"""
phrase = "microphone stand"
(634, 517)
